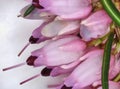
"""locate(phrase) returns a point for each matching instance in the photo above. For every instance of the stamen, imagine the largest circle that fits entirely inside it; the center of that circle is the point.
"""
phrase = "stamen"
(29, 79)
(53, 86)
(23, 49)
(14, 66)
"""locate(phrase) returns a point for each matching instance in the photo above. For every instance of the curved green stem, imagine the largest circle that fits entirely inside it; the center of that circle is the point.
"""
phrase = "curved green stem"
(111, 10)
(106, 61)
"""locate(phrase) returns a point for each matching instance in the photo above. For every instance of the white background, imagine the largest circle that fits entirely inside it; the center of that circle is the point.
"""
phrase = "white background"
(14, 34)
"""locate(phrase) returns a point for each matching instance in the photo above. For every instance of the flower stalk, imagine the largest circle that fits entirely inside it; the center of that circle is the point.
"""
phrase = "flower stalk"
(106, 61)
(111, 10)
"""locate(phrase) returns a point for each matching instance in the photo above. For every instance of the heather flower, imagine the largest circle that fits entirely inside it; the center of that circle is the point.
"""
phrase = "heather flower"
(70, 26)
(82, 75)
(36, 36)
(64, 69)
(67, 9)
(36, 14)
(60, 27)
(64, 87)
(49, 29)
(96, 25)
(57, 52)
(70, 9)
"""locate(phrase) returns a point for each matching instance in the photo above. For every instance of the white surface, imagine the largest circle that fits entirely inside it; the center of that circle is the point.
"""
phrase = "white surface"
(14, 34)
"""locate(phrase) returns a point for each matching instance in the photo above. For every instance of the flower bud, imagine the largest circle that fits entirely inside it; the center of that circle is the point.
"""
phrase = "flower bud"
(60, 51)
(96, 25)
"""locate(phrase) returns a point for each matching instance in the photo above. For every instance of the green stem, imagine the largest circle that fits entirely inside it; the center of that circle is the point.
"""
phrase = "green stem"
(106, 61)
(111, 10)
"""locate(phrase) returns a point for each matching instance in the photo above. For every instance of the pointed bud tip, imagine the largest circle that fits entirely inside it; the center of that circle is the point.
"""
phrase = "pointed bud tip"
(33, 40)
(36, 4)
(30, 60)
(65, 87)
(46, 71)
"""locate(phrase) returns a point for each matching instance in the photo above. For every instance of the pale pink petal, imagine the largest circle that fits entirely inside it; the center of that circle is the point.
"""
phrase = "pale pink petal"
(82, 75)
(88, 71)
(36, 34)
(53, 53)
(115, 69)
(64, 69)
(56, 28)
(78, 15)
(76, 86)
(95, 26)
(36, 14)
(59, 71)
(68, 9)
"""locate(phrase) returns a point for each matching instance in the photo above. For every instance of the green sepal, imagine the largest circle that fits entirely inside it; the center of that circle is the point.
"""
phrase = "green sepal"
(29, 10)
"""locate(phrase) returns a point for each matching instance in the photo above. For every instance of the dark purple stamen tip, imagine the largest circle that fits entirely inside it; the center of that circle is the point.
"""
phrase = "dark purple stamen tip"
(36, 4)
(33, 40)
(65, 87)
(30, 60)
(46, 71)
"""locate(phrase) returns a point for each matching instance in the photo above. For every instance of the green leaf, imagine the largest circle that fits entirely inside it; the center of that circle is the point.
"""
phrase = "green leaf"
(29, 10)
(106, 61)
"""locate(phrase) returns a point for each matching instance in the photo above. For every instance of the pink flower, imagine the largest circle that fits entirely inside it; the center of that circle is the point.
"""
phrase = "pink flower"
(57, 52)
(65, 87)
(67, 9)
(36, 14)
(88, 71)
(60, 27)
(64, 69)
(95, 26)
(36, 36)
(115, 69)
(69, 25)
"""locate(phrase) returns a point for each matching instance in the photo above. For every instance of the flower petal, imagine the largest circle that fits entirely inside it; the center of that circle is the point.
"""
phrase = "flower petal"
(56, 52)
(95, 25)
(68, 9)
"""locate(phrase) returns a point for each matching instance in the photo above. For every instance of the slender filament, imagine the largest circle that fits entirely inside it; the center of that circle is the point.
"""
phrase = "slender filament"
(14, 66)
(29, 79)
(23, 49)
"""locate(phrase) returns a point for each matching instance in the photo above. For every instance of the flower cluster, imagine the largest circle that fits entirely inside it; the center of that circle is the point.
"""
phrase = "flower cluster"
(76, 31)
